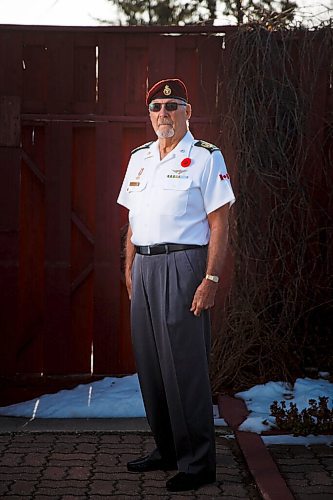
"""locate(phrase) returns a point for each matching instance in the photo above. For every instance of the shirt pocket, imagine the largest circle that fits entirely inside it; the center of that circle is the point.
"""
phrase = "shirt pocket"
(136, 191)
(174, 196)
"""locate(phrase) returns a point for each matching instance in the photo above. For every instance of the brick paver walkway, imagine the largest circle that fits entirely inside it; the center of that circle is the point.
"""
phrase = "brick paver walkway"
(92, 465)
(308, 471)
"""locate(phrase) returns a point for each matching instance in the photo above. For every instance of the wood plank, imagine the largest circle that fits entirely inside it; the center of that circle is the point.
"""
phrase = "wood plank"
(10, 63)
(10, 123)
(32, 255)
(226, 128)
(57, 336)
(107, 329)
(60, 91)
(136, 61)
(161, 67)
(132, 136)
(208, 74)
(187, 65)
(34, 74)
(84, 78)
(82, 246)
(111, 74)
(29, 357)
(10, 159)
(80, 342)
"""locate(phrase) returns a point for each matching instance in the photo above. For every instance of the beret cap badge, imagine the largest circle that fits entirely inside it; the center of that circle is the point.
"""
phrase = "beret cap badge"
(167, 90)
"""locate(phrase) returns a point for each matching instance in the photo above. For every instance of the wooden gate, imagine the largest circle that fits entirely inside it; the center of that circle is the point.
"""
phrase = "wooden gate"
(72, 108)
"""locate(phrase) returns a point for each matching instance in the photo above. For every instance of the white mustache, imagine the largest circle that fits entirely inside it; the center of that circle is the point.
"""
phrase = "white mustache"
(164, 122)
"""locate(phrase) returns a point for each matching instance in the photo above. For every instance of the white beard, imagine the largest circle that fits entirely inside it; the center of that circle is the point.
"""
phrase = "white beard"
(165, 134)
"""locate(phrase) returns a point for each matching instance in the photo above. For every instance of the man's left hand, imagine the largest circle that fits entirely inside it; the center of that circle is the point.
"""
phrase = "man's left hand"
(204, 296)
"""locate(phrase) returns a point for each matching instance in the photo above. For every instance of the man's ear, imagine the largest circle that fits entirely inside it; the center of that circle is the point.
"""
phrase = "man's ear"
(188, 111)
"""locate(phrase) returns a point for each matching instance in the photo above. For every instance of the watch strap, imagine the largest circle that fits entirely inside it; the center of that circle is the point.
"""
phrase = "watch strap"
(211, 277)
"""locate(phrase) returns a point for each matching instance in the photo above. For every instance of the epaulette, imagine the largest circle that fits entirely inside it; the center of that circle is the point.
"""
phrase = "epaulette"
(207, 145)
(144, 146)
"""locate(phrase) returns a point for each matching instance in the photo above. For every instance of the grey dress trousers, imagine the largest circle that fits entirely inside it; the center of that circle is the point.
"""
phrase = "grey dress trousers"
(172, 348)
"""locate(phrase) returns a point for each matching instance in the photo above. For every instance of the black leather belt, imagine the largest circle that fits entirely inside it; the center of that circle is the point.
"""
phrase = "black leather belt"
(164, 248)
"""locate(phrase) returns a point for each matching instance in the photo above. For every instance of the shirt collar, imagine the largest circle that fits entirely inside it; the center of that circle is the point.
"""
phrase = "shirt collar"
(182, 148)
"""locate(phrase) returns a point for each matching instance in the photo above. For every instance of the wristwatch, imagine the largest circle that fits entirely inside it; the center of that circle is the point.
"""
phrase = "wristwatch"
(210, 277)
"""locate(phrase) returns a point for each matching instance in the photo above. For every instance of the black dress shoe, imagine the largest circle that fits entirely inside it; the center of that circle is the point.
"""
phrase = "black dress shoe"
(148, 463)
(184, 481)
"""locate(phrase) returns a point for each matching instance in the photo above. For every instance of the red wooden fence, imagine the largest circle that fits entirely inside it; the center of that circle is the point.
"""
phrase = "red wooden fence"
(72, 108)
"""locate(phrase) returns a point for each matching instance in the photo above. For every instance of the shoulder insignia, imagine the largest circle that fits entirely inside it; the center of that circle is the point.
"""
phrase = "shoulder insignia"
(144, 146)
(207, 145)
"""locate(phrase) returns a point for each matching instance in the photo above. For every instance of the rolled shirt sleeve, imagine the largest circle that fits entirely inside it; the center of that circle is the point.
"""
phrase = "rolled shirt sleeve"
(216, 186)
(124, 198)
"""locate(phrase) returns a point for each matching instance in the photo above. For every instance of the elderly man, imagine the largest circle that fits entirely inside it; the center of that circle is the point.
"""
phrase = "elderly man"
(178, 194)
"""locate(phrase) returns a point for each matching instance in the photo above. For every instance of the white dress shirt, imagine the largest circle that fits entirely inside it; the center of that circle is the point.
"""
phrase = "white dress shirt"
(168, 202)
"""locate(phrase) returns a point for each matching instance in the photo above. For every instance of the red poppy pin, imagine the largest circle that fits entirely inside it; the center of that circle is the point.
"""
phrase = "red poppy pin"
(186, 162)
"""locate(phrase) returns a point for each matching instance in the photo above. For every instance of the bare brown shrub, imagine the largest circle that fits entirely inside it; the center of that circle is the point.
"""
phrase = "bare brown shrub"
(278, 315)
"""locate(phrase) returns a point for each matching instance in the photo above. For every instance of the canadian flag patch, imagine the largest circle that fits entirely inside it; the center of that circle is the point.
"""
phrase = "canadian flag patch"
(224, 176)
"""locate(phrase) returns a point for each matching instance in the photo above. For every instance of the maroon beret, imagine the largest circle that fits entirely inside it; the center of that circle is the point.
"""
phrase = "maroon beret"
(172, 88)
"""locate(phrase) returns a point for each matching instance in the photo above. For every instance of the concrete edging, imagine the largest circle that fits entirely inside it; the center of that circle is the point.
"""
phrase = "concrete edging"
(264, 470)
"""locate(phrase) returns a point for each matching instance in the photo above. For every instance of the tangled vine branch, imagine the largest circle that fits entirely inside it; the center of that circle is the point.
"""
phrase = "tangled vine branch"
(278, 315)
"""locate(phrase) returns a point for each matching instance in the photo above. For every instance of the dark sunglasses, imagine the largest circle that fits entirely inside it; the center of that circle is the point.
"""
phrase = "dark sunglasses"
(169, 106)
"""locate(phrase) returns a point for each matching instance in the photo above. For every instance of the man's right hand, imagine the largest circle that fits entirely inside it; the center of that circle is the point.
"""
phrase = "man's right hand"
(128, 280)
(130, 254)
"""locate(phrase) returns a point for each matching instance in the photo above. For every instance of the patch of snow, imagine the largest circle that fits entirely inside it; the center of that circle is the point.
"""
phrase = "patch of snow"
(111, 397)
(260, 397)
(298, 440)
